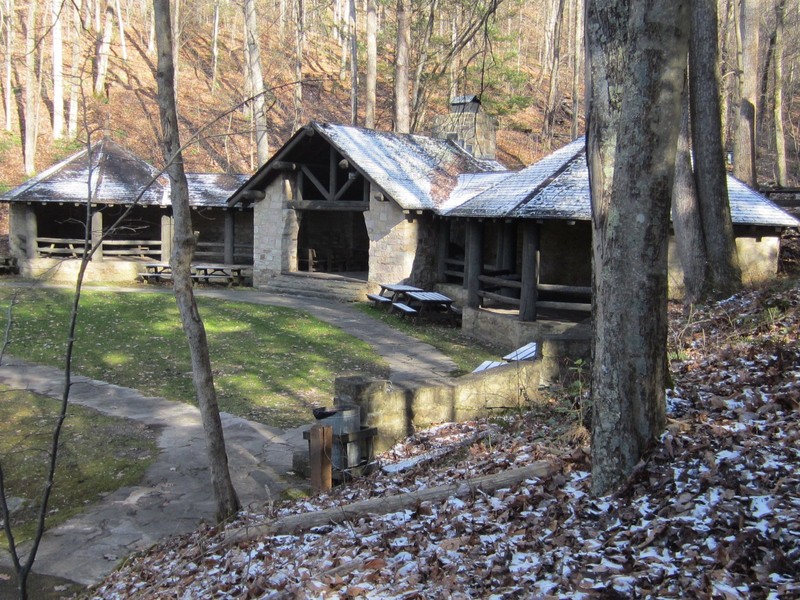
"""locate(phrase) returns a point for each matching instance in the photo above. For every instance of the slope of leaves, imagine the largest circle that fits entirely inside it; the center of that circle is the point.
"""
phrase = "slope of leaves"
(713, 512)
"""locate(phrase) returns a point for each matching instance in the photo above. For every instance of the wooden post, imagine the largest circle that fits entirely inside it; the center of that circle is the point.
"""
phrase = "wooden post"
(474, 262)
(320, 448)
(31, 233)
(530, 271)
(229, 237)
(97, 234)
(442, 244)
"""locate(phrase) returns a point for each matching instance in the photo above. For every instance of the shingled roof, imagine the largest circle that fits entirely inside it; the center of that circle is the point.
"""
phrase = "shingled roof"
(118, 177)
(557, 187)
(417, 172)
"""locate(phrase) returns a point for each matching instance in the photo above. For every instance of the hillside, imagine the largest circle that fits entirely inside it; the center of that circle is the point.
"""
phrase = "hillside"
(712, 512)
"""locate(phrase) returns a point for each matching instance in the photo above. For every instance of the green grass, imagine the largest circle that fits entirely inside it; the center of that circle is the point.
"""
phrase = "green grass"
(85, 470)
(466, 352)
(270, 364)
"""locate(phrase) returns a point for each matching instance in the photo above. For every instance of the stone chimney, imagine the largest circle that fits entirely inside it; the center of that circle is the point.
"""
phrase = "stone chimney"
(469, 126)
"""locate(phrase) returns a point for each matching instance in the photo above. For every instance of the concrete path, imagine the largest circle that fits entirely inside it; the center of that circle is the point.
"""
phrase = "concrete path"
(175, 496)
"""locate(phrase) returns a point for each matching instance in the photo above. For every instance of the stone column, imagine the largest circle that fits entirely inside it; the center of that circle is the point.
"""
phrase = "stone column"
(530, 271)
(31, 233)
(97, 235)
(166, 237)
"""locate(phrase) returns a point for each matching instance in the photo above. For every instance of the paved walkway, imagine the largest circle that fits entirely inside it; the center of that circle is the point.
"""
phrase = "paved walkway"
(175, 495)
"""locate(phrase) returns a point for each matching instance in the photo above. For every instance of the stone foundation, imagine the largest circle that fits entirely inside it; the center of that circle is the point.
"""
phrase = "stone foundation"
(66, 271)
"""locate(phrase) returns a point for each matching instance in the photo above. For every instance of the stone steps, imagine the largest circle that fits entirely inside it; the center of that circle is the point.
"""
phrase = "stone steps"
(318, 285)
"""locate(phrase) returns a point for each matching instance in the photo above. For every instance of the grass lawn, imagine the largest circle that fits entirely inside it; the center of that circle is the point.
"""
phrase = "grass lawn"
(85, 470)
(271, 364)
(465, 352)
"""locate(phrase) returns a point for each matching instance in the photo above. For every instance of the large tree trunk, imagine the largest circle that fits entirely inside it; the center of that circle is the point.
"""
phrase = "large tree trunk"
(372, 65)
(576, 67)
(351, 20)
(637, 58)
(723, 275)
(686, 216)
(256, 80)
(300, 31)
(75, 71)
(402, 109)
(744, 147)
(8, 27)
(183, 248)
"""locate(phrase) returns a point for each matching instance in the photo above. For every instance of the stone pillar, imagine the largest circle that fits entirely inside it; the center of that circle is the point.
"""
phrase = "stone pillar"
(31, 233)
(530, 271)
(473, 263)
(166, 237)
(229, 237)
(97, 235)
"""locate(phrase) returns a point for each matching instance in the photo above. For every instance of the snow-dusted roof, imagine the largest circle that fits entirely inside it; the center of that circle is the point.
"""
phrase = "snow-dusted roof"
(417, 172)
(118, 177)
(557, 187)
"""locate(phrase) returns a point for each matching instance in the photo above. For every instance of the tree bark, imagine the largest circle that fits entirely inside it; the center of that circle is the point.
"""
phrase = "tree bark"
(256, 80)
(29, 126)
(183, 247)
(745, 138)
(103, 48)
(553, 63)
(351, 21)
(576, 68)
(686, 219)
(402, 110)
(58, 70)
(8, 26)
(370, 96)
(300, 30)
(75, 73)
(637, 59)
(777, 101)
(723, 275)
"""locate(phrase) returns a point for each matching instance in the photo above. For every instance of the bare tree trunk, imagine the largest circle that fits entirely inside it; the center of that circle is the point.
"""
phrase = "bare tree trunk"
(637, 60)
(554, 59)
(58, 70)
(253, 42)
(215, 47)
(723, 275)
(103, 48)
(744, 149)
(31, 85)
(576, 68)
(417, 89)
(8, 27)
(370, 97)
(183, 248)
(300, 36)
(353, 63)
(686, 219)
(777, 104)
(123, 44)
(402, 110)
(75, 73)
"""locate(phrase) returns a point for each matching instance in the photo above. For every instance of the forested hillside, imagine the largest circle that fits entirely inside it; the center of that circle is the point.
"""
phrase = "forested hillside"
(96, 59)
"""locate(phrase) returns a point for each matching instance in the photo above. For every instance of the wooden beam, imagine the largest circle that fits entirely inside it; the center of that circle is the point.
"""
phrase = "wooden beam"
(341, 205)
(530, 271)
(320, 445)
(474, 260)
(313, 179)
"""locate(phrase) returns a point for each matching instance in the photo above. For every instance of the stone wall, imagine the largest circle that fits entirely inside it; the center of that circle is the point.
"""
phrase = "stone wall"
(397, 410)
(392, 241)
(66, 270)
(275, 230)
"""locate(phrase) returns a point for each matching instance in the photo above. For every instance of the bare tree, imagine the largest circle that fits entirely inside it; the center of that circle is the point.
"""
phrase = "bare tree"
(58, 70)
(183, 248)
(777, 98)
(8, 33)
(103, 50)
(29, 127)
(745, 138)
(636, 55)
(402, 108)
(253, 43)
(370, 97)
(723, 275)
(553, 63)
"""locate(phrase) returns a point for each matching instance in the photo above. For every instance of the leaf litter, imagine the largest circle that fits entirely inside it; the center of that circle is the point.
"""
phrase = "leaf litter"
(712, 512)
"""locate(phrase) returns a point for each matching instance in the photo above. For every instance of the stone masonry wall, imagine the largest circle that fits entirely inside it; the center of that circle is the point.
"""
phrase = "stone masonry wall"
(274, 234)
(392, 242)
(398, 410)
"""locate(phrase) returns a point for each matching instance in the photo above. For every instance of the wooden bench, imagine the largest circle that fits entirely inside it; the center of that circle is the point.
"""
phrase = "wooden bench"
(229, 279)
(526, 352)
(379, 300)
(405, 309)
(155, 277)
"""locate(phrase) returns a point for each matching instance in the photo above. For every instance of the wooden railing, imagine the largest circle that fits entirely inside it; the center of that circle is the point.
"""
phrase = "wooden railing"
(73, 248)
(560, 297)
(215, 252)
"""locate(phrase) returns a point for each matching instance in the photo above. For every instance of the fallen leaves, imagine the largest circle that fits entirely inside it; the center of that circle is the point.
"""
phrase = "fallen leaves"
(714, 511)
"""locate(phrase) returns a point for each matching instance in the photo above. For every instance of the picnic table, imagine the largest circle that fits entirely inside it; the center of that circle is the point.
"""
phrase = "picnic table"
(155, 272)
(230, 274)
(391, 292)
(424, 301)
